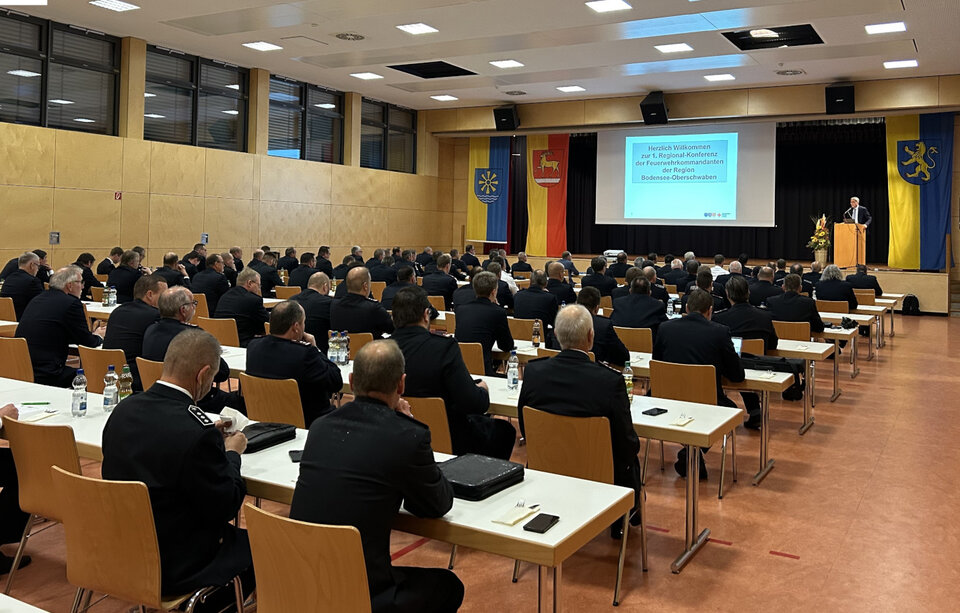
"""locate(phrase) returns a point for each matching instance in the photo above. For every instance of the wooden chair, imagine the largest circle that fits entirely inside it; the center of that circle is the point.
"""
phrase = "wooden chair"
(522, 329)
(150, 372)
(358, 340)
(95, 362)
(473, 357)
(377, 287)
(266, 327)
(102, 278)
(274, 400)
(306, 567)
(522, 283)
(15, 359)
(690, 383)
(7, 312)
(112, 543)
(833, 306)
(224, 330)
(437, 302)
(793, 330)
(203, 310)
(96, 293)
(753, 345)
(865, 297)
(286, 292)
(620, 280)
(451, 320)
(636, 339)
(671, 289)
(433, 413)
(606, 302)
(419, 280)
(521, 275)
(35, 449)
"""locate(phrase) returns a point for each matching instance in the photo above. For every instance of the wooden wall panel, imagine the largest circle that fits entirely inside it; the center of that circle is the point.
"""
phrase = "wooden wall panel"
(548, 114)
(27, 155)
(441, 120)
(86, 219)
(412, 191)
(950, 91)
(360, 186)
(476, 118)
(311, 225)
(898, 94)
(175, 221)
(176, 169)
(445, 194)
(799, 100)
(612, 111)
(286, 180)
(365, 226)
(461, 194)
(88, 161)
(229, 221)
(136, 166)
(228, 174)
(27, 217)
(134, 222)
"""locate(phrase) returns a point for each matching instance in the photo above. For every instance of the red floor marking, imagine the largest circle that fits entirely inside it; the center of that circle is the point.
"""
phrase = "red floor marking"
(656, 529)
(728, 543)
(784, 555)
(409, 548)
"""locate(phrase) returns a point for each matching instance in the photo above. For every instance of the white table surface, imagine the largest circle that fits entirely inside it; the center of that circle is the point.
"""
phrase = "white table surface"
(834, 318)
(12, 605)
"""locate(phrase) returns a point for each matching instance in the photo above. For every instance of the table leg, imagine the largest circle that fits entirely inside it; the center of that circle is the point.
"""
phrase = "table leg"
(836, 370)
(692, 541)
(871, 342)
(766, 463)
(854, 366)
(813, 384)
(881, 328)
(892, 309)
(623, 555)
(557, 572)
(807, 399)
(541, 588)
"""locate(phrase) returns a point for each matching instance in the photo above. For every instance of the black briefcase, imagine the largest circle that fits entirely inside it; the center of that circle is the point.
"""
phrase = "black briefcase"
(264, 434)
(475, 477)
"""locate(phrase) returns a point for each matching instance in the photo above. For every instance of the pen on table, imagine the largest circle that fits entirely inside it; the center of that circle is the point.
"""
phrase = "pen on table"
(35, 404)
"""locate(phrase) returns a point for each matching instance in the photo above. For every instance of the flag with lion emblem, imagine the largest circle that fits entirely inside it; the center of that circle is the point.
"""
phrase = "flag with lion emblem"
(919, 184)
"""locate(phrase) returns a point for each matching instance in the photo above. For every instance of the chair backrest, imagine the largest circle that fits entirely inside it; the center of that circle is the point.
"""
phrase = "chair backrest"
(102, 278)
(266, 328)
(437, 302)
(110, 536)
(451, 320)
(15, 359)
(419, 280)
(473, 358)
(671, 289)
(521, 275)
(687, 382)
(377, 287)
(522, 283)
(285, 292)
(865, 297)
(833, 306)
(96, 293)
(95, 361)
(306, 567)
(522, 329)
(573, 446)
(35, 449)
(150, 372)
(203, 309)
(433, 412)
(753, 345)
(358, 340)
(224, 330)
(606, 302)
(7, 312)
(636, 339)
(274, 400)
(793, 330)
(620, 280)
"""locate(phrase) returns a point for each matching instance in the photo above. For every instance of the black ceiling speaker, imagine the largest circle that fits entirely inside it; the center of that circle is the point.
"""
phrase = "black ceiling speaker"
(839, 99)
(653, 109)
(506, 118)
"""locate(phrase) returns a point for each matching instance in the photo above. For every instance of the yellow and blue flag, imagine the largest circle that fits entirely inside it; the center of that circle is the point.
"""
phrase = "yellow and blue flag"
(919, 183)
(488, 201)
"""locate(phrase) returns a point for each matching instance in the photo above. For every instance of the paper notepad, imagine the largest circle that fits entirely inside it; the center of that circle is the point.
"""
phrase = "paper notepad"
(803, 347)
(515, 515)
(681, 421)
(34, 412)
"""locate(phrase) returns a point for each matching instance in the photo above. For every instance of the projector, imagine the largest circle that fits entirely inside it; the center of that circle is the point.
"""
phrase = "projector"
(611, 255)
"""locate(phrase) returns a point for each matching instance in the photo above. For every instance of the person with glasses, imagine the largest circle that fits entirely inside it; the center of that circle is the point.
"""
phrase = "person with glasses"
(244, 303)
(22, 285)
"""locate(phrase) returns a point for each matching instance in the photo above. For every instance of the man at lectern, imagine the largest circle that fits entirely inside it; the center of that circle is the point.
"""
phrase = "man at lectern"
(856, 213)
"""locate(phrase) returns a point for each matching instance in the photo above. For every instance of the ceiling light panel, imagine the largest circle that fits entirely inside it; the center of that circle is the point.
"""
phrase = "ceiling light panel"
(506, 64)
(719, 77)
(673, 48)
(114, 5)
(262, 45)
(23, 73)
(569, 89)
(901, 64)
(608, 6)
(366, 76)
(886, 28)
(417, 28)
(445, 98)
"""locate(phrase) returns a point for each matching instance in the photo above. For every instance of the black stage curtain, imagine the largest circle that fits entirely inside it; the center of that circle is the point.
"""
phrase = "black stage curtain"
(820, 165)
(517, 220)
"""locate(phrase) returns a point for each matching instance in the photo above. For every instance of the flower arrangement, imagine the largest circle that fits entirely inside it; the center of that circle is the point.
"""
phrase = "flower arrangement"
(821, 235)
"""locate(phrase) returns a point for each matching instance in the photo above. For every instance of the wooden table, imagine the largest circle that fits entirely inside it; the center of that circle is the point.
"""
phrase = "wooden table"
(861, 319)
(809, 352)
(840, 334)
(12, 605)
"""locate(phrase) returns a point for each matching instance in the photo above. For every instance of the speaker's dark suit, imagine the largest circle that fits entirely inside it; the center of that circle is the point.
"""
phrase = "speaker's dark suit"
(211, 284)
(356, 313)
(861, 215)
(124, 278)
(21, 287)
(483, 322)
(128, 324)
(435, 368)
(535, 303)
(195, 485)
(837, 290)
(247, 309)
(316, 306)
(865, 281)
(173, 277)
(89, 280)
(693, 339)
(300, 276)
(791, 306)
(105, 267)
(441, 284)
(607, 346)
(50, 323)
(603, 283)
(639, 311)
(359, 463)
(272, 357)
(761, 291)
(563, 291)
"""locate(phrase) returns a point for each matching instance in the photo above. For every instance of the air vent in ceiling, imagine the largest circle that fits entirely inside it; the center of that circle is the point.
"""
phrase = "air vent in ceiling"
(516, 92)
(791, 73)
(432, 70)
(351, 36)
(771, 38)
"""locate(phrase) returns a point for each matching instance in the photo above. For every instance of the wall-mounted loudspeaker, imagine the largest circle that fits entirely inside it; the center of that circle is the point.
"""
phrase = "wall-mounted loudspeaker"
(839, 99)
(653, 109)
(506, 118)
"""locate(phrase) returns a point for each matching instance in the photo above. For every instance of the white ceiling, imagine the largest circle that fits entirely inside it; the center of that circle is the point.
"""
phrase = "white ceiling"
(561, 42)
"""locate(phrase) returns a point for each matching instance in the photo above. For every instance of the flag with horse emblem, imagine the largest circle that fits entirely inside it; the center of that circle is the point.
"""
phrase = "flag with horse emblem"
(487, 204)
(919, 184)
(547, 194)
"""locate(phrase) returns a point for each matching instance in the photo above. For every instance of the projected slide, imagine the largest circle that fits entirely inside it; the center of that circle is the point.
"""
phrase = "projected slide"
(684, 177)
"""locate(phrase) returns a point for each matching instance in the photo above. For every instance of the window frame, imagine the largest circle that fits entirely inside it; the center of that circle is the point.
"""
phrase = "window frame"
(303, 107)
(385, 126)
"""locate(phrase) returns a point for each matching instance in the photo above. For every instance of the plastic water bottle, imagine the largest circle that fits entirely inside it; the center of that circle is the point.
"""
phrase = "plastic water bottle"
(109, 390)
(105, 299)
(125, 384)
(344, 347)
(78, 406)
(628, 380)
(513, 371)
(535, 336)
(112, 301)
(333, 348)
(670, 306)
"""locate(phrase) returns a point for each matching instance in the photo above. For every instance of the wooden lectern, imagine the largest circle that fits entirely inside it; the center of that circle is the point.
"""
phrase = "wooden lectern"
(849, 244)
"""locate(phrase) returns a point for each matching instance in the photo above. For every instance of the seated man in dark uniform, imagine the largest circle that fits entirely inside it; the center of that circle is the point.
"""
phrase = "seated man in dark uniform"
(173, 272)
(557, 286)
(457, 268)
(356, 312)
(791, 306)
(256, 261)
(125, 276)
(269, 277)
(435, 368)
(229, 269)
(781, 270)
(323, 261)
(657, 290)
(360, 463)
(833, 287)
(535, 302)
(763, 288)
(692, 267)
(316, 302)
(236, 254)
(504, 292)
(191, 468)
(109, 263)
(289, 352)
(694, 339)
(190, 263)
(639, 309)
(736, 270)
(342, 287)
(51, 322)
(607, 346)
(405, 276)
(706, 283)
(796, 269)
(383, 271)
(85, 264)
(862, 280)
(211, 282)
(813, 277)
(441, 283)
(300, 275)
(465, 293)
(617, 269)
(600, 393)
(22, 285)
(376, 260)
(289, 260)
(470, 256)
(340, 271)
(244, 304)
(129, 322)
(632, 273)
(425, 257)
(522, 265)
(677, 275)
(484, 321)
(597, 278)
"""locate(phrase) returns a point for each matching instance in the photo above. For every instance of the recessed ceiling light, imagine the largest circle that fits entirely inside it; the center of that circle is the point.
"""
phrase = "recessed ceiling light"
(886, 28)
(763, 33)
(59, 101)
(233, 86)
(445, 98)
(154, 116)
(231, 112)
(506, 63)
(673, 48)
(569, 89)
(417, 28)
(719, 77)
(23, 73)
(366, 76)
(606, 6)
(261, 45)
(149, 95)
(114, 5)
(900, 64)
(83, 120)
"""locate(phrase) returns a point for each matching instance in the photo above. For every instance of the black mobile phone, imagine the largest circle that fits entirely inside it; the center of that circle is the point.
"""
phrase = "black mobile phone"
(295, 455)
(541, 523)
(655, 411)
